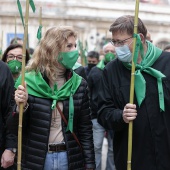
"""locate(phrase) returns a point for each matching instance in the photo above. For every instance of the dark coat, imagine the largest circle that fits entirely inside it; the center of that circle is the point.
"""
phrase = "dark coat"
(151, 128)
(81, 72)
(6, 94)
(93, 84)
(36, 129)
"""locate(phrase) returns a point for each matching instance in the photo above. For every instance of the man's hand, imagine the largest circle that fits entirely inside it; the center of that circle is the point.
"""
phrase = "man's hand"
(129, 112)
(7, 159)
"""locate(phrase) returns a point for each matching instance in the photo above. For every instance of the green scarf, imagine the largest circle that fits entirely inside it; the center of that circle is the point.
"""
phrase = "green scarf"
(148, 60)
(37, 86)
(101, 65)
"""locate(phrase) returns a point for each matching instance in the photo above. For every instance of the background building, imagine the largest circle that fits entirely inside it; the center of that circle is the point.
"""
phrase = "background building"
(92, 19)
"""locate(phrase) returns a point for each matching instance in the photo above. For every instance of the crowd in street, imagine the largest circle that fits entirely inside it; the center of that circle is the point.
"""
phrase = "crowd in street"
(69, 109)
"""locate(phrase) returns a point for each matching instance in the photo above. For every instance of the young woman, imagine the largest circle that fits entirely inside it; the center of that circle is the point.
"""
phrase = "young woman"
(53, 89)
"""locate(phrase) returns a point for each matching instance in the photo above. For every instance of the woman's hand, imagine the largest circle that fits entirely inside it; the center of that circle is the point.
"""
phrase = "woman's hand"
(129, 112)
(21, 95)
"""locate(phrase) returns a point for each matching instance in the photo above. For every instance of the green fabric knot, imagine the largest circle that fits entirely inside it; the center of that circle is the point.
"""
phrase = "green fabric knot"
(148, 60)
(37, 86)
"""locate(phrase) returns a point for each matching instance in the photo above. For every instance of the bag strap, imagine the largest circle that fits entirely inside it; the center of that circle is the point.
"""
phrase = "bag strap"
(65, 121)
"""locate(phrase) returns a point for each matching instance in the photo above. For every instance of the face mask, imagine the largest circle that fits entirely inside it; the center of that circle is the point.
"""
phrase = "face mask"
(68, 59)
(15, 66)
(123, 53)
(90, 66)
(109, 57)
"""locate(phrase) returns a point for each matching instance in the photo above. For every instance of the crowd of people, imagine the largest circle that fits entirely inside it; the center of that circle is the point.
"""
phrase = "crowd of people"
(68, 108)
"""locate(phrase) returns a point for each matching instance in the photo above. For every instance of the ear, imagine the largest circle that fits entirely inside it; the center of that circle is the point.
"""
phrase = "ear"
(142, 38)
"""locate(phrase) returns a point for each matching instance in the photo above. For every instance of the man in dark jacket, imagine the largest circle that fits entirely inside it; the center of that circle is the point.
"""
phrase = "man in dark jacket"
(92, 59)
(7, 142)
(151, 108)
(98, 130)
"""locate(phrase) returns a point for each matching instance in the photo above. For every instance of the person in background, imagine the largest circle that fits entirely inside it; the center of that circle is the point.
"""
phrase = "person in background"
(92, 60)
(151, 107)
(13, 57)
(167, 48)
(16, 40)
(57, 128)
(98, 130)
(7, 140)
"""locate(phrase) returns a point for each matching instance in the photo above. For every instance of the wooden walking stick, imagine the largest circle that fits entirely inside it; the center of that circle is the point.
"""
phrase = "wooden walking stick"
(130, 130)
(21, 105)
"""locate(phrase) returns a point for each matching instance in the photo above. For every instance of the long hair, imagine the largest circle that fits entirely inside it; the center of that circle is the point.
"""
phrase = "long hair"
(45, 55)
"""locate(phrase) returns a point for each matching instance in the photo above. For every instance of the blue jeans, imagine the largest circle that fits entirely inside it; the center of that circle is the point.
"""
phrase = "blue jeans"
(56, 161)
(98, 137)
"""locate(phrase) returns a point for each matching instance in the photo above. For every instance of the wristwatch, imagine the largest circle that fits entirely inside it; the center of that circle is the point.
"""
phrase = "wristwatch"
(14, 150)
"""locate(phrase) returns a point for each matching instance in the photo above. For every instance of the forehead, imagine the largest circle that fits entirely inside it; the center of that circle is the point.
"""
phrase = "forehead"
(15, 51)
(91, 59)
(109, 47)
(71, 39)
(120, 35)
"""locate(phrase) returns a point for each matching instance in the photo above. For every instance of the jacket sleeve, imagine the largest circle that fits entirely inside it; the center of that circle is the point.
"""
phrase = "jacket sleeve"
(7, 102)
(86, 133)
(93, 81)
(109, 116)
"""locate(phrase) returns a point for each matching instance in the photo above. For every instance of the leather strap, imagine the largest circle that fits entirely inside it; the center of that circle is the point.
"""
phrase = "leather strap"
(57, 147)
(65, 121)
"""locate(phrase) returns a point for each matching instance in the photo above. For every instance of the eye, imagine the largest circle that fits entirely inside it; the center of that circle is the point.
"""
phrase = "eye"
(69, 45)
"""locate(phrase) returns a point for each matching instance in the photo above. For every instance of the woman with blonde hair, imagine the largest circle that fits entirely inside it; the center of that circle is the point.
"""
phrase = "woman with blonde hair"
(57, 129)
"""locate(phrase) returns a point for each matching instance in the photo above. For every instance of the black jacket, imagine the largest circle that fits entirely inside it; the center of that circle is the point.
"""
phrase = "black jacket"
(6, 94)
(81, 72)
(151, 128)
(36, 128)
(93, 84)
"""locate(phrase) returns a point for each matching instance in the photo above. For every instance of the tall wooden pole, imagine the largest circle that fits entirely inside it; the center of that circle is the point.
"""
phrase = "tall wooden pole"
(40, 16)
(130, 130)
(22, 82)
(15, 41)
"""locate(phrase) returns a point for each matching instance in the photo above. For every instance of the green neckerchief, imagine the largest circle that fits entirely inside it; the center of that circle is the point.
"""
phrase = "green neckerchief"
(101, 65)
(76, 65)
(37, 86)
(148, 60)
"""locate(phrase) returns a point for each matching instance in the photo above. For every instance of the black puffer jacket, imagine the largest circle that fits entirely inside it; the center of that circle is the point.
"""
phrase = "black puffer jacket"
(36, 129)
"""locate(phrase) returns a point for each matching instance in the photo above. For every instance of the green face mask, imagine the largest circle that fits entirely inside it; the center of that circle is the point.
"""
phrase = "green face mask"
(15, 66)
(68, 59)
(109, 57)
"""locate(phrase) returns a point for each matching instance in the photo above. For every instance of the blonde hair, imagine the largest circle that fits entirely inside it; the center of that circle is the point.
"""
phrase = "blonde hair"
(45, 55)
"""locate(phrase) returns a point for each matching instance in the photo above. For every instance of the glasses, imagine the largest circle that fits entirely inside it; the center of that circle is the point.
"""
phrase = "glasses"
(12, 57)
(119, 43)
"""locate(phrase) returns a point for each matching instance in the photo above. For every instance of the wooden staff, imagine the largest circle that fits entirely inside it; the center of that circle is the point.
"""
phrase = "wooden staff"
(130, 130)
(21, 105)
(15, 41)
(40, 16)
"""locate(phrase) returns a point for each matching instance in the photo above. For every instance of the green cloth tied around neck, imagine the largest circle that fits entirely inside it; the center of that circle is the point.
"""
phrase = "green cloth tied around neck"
(148, 60)
(101, 65)
(38, 87)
